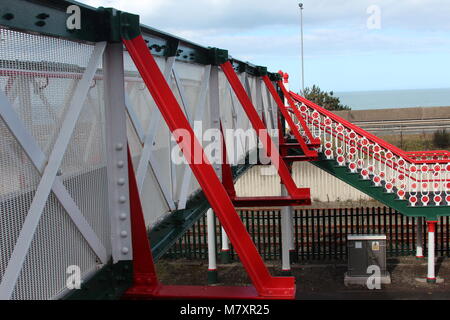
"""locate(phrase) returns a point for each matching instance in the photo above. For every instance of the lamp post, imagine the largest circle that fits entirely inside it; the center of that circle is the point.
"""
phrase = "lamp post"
(300, 5)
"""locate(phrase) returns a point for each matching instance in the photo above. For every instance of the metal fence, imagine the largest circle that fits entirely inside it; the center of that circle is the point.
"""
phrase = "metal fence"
(319, 234)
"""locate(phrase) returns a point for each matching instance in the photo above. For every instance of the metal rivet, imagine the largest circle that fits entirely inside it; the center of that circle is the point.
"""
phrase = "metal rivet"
(120, 164)
(125, 250)
(8, 16)
(123, 216)
(123, 234)
(122, 199)
(42, 16)
(121, 181)
(119, 146)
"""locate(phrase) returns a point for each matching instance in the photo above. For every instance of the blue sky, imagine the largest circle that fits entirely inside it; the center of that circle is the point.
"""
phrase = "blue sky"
(410, 50)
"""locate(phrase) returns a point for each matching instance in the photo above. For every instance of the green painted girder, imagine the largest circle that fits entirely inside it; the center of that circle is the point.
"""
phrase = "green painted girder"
(173, 227)
(109, 283)
(49, 17)
(167, 232)
(378, 192)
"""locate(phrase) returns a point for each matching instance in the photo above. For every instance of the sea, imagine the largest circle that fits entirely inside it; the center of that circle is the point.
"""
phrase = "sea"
(363, 100)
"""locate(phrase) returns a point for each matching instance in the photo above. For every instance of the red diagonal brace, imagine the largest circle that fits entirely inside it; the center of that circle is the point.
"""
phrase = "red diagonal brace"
(145, 281)
(297, 113)
(265, 284)
(288, 118)
(261, 130)
(261, 201)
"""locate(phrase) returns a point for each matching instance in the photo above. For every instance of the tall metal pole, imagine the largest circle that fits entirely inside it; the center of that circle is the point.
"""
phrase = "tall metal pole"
(301, 33)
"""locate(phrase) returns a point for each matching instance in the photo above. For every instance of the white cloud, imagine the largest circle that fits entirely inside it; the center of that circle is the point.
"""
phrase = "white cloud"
(331, 26)
(266, 32)
(249, 14)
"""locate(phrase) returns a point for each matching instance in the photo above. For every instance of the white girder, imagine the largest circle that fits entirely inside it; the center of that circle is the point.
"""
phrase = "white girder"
(198, 114)
(147, 158)
(49, 175)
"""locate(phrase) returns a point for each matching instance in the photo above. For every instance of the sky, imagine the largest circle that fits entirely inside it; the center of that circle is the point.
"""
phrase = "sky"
(349, 45)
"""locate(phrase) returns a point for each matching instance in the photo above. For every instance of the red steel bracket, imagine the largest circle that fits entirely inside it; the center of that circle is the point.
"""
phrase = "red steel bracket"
(261, 131)
(265, 285)
(145, 281)
(261, 201)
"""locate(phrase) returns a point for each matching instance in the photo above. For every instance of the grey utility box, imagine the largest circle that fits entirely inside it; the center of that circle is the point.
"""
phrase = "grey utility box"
(365, 251)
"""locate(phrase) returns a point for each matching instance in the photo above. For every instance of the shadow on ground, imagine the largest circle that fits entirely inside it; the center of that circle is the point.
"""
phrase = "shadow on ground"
(322, 279)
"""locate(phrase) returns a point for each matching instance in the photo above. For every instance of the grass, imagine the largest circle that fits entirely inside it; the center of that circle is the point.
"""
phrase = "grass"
(412, 142)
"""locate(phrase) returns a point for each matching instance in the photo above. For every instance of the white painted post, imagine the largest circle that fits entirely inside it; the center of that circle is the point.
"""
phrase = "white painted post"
(292, 252)
(419, 238)
(225, 252)
(214, 94)
(214, 98)
(286, 236)
(116, 148)
(212, 262)
(290, 210)
(431, 278)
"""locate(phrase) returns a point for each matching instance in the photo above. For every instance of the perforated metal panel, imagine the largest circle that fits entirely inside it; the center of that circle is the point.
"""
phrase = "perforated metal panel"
(39, 76)
(144, 108)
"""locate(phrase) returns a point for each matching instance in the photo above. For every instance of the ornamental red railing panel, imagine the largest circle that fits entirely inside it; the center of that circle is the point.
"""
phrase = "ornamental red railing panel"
(420, 177)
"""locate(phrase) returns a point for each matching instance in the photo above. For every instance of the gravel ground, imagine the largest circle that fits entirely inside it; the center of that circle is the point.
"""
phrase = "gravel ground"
(322, 279)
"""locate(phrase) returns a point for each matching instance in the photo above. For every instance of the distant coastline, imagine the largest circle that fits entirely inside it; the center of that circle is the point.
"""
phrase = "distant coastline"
(385, 99)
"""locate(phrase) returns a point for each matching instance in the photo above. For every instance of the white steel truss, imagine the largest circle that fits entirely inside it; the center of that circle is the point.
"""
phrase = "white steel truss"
(147, 158)
(49, 180)
(198, 114)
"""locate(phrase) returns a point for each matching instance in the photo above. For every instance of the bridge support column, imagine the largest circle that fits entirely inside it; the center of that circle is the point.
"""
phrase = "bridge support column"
(116, 153)
(431, 277)
(293, 256)
(286, 236)
(419, 238)
(225, 252)
(212, 263)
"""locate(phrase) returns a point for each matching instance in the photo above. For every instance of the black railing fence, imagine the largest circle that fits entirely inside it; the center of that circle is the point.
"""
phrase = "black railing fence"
(318, 233)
